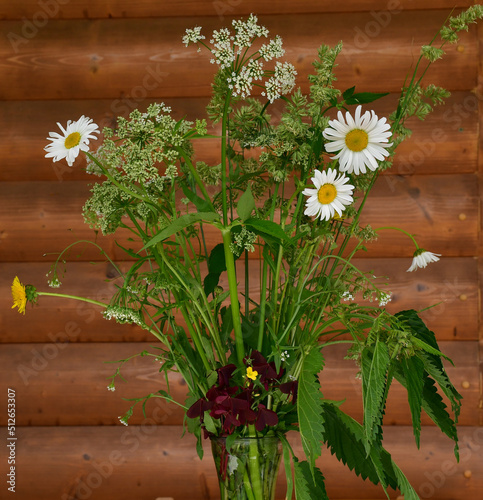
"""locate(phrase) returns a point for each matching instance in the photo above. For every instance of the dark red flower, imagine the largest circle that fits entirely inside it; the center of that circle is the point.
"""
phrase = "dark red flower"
(290, 388)
(265, 417)
(266, 370)
(198, 408)
(224, 375)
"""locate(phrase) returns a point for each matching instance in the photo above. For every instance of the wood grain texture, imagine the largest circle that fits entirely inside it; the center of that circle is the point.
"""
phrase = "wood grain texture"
(450, 285)
(108, 59)
(445, 143)
(63, 9)
(64, 384)
(148, 462)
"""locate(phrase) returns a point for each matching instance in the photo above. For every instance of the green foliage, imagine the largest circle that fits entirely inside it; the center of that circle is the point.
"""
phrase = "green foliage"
(309, 404)
(309, 482)
(374, 366)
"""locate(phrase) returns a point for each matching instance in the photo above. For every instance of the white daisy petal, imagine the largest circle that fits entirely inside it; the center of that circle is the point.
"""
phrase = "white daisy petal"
(75, 138)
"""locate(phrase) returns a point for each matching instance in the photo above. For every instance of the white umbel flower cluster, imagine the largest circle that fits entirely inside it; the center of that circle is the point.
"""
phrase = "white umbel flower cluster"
(193, 35)
(228, 51)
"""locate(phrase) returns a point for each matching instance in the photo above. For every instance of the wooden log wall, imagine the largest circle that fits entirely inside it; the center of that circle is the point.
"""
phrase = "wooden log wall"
(60, 59)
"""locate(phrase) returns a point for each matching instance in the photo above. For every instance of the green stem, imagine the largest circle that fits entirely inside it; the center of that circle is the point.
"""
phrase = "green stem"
(223, 160)
(254, 464)
(75, 297)
(232, 285)
(400, 230)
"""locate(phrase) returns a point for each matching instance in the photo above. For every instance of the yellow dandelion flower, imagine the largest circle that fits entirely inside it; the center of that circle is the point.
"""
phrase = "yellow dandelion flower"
(251, 373)
(19, 295)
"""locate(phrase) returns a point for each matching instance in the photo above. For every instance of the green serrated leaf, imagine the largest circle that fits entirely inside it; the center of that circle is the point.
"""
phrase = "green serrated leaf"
(374, 366)
(345, 438)
(309, 482)
(348, 93)
(246, 204)
(413, 370)
(309, 405)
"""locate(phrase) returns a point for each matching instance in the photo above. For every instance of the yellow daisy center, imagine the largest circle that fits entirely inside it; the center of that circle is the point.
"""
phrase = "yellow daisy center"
(327, 194)
(251, 373)
(357, 140)
(72, 140)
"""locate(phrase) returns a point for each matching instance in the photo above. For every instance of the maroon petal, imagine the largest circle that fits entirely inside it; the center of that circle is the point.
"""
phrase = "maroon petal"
(265, 417)
(290, 388)
(198, 409)
(224, 375)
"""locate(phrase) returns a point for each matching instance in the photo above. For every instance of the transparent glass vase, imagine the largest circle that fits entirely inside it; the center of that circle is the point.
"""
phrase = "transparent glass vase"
(248, 471)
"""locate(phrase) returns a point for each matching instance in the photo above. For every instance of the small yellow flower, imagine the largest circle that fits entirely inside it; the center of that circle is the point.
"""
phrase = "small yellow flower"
(19, 295)
(251, 373)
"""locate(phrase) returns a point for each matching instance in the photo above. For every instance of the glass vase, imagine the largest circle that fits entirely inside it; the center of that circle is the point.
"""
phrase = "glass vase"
(249, 469)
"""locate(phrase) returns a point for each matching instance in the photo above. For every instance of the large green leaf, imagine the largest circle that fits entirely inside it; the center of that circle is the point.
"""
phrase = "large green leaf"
(309, 404)
(374, 366)
(266, 227)
(434, 406)
(246, 204)
(413, 370)
(345, 438)
(431, 357)
(309, 482)
(179, 224)
(200, 203)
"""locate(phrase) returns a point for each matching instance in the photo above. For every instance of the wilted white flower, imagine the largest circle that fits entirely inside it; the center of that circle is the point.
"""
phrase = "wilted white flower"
(422, 258)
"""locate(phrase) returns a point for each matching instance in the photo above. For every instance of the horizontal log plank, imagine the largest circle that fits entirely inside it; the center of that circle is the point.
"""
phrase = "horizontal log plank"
(65, 384)
(104, 59)
(451, 284)
(222, 8)
(446, 142)
(149, 462)
(45, 217)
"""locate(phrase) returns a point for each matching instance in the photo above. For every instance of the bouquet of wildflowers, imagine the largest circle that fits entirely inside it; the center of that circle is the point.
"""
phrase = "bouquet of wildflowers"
(246, 320)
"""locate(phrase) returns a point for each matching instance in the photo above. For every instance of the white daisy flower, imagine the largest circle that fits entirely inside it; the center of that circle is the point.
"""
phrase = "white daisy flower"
(75, 138)
(330, 195)
(360, 142)
(422, 258)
